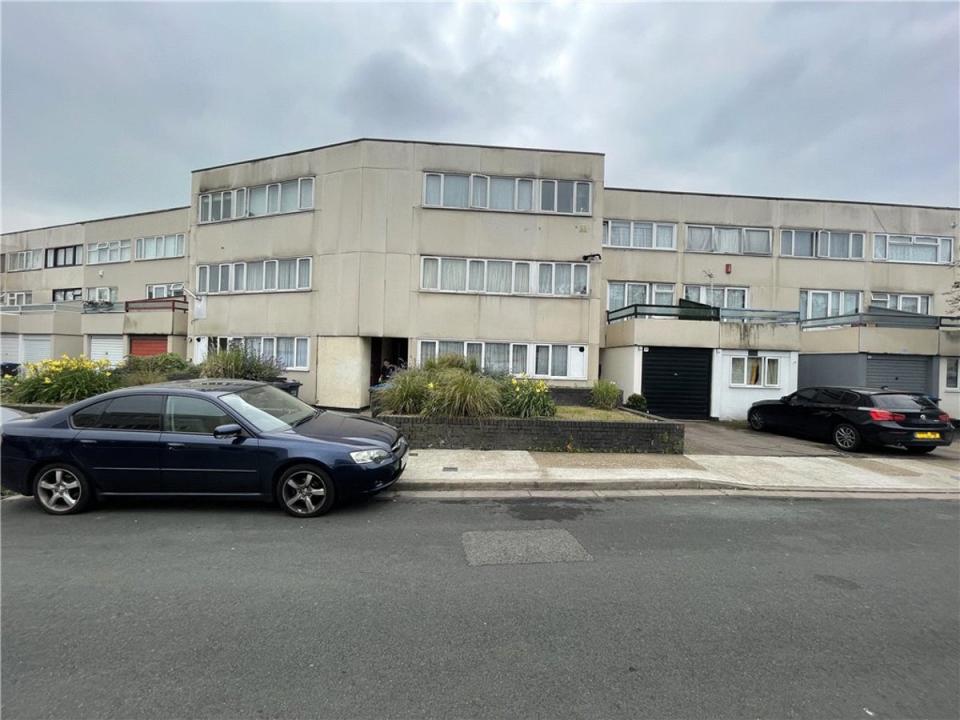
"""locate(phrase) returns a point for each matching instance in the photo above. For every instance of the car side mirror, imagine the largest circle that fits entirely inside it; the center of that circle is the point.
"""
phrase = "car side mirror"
(229, 430)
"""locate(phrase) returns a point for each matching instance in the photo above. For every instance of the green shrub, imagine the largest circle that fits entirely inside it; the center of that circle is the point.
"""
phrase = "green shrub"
(406, 393)
(448, 362)
(239, 364)
(164, 363)
(523, 397)
(456, 392)
(637, 402)
(141, 377)
(605, 395)
(64, 380)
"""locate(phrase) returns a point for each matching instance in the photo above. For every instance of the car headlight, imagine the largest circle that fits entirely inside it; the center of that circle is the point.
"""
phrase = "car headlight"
(364, 457)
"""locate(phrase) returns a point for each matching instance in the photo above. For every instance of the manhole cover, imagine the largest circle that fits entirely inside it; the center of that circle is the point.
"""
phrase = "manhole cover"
(515, 547)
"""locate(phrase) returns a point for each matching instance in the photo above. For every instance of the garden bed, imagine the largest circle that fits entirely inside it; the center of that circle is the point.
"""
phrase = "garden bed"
(583, 430)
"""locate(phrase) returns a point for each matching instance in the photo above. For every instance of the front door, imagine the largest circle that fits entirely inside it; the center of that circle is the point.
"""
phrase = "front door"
(194, 461)
(118, 445)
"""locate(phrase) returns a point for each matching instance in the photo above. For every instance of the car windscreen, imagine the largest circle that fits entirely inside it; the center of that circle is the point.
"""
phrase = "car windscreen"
(902, 401)
(267, 408)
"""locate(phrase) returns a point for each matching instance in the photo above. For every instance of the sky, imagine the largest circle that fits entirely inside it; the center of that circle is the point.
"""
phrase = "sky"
(106, 108)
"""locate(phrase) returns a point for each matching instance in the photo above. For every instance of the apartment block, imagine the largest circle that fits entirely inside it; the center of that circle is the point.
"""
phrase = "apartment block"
(337, 258)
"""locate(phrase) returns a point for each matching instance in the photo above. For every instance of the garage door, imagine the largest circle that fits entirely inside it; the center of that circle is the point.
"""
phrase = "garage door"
(144, 345)
(10, 348)
(900, 372)
(36, 348)
(107, 347)
(676, 381)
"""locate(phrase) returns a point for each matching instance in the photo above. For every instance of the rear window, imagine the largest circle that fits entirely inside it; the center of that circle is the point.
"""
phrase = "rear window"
(90, 415)
(903, 402)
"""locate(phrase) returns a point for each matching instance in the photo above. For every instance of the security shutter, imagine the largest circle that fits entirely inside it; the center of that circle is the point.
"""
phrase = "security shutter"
(36, 348)
(900, 372)
(144, 345)
(106, 347)
(10, 348)
(676, 381)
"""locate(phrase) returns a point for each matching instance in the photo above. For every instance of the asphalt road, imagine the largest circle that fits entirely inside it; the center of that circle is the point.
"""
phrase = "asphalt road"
(687, 607)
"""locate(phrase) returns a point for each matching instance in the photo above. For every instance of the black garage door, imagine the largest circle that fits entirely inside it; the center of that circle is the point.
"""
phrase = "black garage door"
(676, 381)
(900, 372)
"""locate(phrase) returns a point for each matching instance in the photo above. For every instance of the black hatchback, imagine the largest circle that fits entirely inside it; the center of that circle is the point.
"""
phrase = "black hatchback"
(852, 418)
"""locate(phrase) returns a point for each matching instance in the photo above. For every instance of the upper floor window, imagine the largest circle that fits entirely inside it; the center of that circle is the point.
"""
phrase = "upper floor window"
(159, 246)
(102, 294)
(828, 303)
(462, 190)
(164, 290)
(640, 234)
(839, 245)
(64, 256)
(728, 240)
(624, 294)
(108, 252)
(24, 260)
(906, 303)
(282, 275)
(719, 297)
(246, 202)
(67, 294)
(913, 249)
(508, 277)
(18, 298)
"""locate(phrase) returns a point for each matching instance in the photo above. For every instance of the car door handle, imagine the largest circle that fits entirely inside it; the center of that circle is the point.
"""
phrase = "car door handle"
(175, 446)
(88, 442)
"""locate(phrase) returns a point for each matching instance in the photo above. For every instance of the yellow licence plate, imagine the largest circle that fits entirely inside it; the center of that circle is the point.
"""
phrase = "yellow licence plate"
(926, 436)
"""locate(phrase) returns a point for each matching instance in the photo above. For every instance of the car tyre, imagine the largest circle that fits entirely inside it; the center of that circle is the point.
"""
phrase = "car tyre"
(305, 491)
(757, 421)
(61, 489)
(921, 450)
(846, 437)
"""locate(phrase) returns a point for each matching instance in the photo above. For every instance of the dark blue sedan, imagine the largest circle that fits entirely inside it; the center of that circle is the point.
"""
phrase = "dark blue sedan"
(232, 438)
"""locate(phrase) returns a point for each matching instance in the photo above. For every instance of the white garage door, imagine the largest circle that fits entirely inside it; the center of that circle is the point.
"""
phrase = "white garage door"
(10, 348)
(36, 348)
(106, 347)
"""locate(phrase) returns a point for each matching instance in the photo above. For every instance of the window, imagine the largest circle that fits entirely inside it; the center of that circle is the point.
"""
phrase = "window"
(255, 276)
(284, 197)
(755, 371)
(24, 260)
(828, 303)
(906, 303)
(624, 294)
(67, 294)
(913, 249)
(132, 412)
(461, 190)
(64, 256)
(644, 235)
(164, 290)
(108, 252)
(293, 353)
(503, 276)
(193, 415)
(544, 360)
(89, 416)
(159, 246)
(102, 294)
(18, 298)
(721, 297)
(728, 240)
(953, 372)
(834, 244)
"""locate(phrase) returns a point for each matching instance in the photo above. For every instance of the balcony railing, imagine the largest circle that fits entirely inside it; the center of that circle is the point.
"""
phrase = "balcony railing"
(688, 310)
(40, 308)
(174, 304)
(878, 317)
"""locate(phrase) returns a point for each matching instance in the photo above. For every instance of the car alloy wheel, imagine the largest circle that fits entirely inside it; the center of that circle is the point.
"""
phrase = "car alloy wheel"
(60, 490)
(305, 491)
(846, 437)
(756, 420)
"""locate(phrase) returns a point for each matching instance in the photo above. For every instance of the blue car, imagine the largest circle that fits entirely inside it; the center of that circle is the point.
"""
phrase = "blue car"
(231, 438)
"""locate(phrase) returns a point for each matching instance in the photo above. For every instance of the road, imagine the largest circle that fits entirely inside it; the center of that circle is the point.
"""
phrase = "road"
(650, 608)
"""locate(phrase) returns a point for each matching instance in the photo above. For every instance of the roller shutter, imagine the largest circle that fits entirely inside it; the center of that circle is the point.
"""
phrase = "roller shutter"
(107, 347)
(144, 345)
(10, 348)
(676, 381)
(900, 372)
(36, 348)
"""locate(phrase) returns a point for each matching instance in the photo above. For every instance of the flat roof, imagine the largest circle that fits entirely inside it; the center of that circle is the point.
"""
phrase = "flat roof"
(103, 219)
(777, 197)
(403, 142)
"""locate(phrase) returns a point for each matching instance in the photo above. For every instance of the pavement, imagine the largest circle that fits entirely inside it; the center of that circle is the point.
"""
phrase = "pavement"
(669, 607)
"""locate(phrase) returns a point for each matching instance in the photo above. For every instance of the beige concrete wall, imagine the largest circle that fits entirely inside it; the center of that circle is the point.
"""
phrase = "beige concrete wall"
(622, 366)
(949, 342)
(343, 372)
(906, 341)
(663, 333)
(107, 323)
(759, 336)
(71, 345)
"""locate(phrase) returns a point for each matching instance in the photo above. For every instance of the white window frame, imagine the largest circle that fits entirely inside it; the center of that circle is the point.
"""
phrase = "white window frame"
(24, 260)
(705, 289)
(140, 244)
(955, 361)
(924, 302)
(243, 265)
(805, 311)
(656, 225)
(240, 200)
(531, 351)
(533, 283)
(535, 193)
(102, 294)
(821, 243)
(170, 290)
(262, 342)
(94, 250)
(764, 361)
(17, 298)
(742, 232)
(651, 288)
(943, 243)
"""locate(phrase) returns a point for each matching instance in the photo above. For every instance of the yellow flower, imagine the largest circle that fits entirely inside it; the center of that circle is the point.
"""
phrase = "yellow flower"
(108, 374)
(514, 381)
(430, 386)
(47, 381)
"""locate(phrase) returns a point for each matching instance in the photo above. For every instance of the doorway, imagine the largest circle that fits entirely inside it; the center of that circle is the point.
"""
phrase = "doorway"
(393, 350)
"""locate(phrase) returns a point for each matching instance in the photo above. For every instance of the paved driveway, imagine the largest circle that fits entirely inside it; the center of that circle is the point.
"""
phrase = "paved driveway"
(704, 437)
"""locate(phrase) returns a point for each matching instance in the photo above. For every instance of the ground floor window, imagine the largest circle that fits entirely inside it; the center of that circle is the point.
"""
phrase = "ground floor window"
(535, 359)
(755, 371)
(953, 373)
(293, 353)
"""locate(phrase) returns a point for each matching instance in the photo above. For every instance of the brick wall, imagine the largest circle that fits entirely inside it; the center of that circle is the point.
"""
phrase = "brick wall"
(539, 434)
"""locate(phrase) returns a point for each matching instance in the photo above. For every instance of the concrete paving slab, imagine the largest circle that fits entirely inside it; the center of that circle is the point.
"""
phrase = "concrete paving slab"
(628, 461)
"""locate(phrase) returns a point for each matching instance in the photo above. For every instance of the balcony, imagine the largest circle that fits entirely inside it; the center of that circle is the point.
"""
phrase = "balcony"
(159, 316)
(880, 330)
(692, 324)
(62, 318)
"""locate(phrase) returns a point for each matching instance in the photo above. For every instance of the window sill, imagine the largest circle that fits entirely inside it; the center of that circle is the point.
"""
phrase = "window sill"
(168, 257)
(107, 262)
(531, 296)
(204, 223)
(912, 262)
(755, 387)
(731, 254)
(819, 257)
(254, 292)
(645, 249)
(535, 213)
